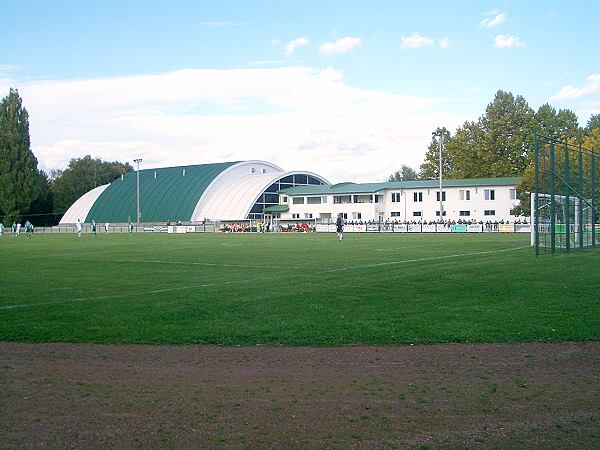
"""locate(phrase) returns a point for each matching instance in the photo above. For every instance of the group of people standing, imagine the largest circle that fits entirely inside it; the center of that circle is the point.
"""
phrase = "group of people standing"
(94, 226)
(16, 229)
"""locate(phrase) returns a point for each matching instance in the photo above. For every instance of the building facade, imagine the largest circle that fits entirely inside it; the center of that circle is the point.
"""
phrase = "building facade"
(484, 199)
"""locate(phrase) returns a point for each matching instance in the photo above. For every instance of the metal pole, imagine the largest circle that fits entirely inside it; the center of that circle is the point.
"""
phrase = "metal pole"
(580, 196)
(138, 161)
(593, 199)
(567, 203)
(536, 214)
(441, 202)
(552, 203)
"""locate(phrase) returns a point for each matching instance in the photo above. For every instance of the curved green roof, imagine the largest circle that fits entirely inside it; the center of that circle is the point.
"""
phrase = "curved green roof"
(165, 194)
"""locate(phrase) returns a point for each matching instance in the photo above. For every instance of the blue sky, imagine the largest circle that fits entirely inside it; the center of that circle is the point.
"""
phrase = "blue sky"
(347, 89)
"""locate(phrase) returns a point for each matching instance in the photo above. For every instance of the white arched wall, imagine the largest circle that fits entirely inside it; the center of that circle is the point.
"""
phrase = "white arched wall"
(228, 196)
(81, 207)
(233, 193)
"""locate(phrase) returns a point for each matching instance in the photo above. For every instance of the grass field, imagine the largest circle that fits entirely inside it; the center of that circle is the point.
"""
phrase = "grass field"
(294, 289)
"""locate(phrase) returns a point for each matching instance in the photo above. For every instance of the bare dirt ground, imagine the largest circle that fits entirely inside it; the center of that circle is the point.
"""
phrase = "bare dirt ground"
(441, 396)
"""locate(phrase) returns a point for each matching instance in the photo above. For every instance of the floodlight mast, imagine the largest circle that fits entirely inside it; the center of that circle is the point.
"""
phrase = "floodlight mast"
(440, 146)
(138, 161)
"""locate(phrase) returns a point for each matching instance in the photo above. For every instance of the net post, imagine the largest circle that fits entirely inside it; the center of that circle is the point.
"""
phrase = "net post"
(552, 201)
(580, 197)
(536, 212)
(568, 209)
(593, 199)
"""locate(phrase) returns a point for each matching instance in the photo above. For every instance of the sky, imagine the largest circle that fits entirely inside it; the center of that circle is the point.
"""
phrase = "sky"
(350, 90)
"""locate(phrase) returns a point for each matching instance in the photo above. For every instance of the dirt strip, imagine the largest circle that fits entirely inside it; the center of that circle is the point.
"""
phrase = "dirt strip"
(63, 396)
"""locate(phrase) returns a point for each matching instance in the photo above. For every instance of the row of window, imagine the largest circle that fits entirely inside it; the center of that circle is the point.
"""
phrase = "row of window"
(463, 194)
(358, 215)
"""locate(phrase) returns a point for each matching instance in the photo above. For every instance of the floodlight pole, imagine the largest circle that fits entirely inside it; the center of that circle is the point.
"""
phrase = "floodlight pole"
(138, 161)
(440, 146)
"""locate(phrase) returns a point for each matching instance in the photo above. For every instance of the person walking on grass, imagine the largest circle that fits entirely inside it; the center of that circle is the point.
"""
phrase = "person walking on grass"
(79, 228)
(106, 227)
(28, 229)
(94, 227)
(339, 226)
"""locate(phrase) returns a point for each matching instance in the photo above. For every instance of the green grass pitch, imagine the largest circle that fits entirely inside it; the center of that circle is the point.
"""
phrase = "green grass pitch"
(294, 289)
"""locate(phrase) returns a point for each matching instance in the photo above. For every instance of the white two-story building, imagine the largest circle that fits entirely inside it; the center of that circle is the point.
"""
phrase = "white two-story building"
(484, 199)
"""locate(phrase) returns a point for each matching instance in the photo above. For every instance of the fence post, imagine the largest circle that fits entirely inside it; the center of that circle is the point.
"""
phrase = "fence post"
(568, 214)
(536, 212)
(580, 197)
(552, 203)
(593, 200)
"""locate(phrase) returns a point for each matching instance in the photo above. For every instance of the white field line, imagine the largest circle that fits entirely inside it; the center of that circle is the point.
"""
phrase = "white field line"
(408, 247)
(431, 258)
(196, 263)
(258, 280)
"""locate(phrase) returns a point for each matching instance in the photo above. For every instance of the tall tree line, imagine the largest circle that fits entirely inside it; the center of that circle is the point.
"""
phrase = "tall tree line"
(29, 193)
(500, 142)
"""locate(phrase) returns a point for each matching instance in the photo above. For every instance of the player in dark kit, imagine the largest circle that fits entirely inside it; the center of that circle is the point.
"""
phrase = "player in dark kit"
(339, 225)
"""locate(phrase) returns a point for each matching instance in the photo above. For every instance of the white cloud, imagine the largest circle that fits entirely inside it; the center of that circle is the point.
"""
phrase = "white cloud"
(296, 117)
(291, 46)
(571, 92)
(343, 45)
(332, 74)
(416, 40)
(504, 41)
(496, 18)
(445, 43)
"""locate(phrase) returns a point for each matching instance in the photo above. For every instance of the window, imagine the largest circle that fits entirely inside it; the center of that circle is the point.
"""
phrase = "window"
(489, 194)
(356, 216)
(295, 216)
(464, 194)
(489, 212)
(345, 216)
(437, 213)
(395, 214)
(342, 199)
(417, 196)
(464, 213)
(416, 213)
(313, 200)
(300, 179)
(437, 197)
(324, 199)
(513, 194)
(307, 215)
(284, 199)
(396, 197)
(298, 200)
(378, 198)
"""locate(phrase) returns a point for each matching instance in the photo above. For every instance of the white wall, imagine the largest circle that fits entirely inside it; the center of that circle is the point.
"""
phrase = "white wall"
(477, 205)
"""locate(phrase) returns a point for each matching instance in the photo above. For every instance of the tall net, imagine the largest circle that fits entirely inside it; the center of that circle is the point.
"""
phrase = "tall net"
(565, 203)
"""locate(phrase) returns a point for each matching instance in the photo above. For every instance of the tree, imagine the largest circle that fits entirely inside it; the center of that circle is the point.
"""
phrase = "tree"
(593, 122)
(406, 173)
(562, 125)
(41, 213)
(508, 126)
(467, 151)
(430, 167)
(81, 176)
(19, 182)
